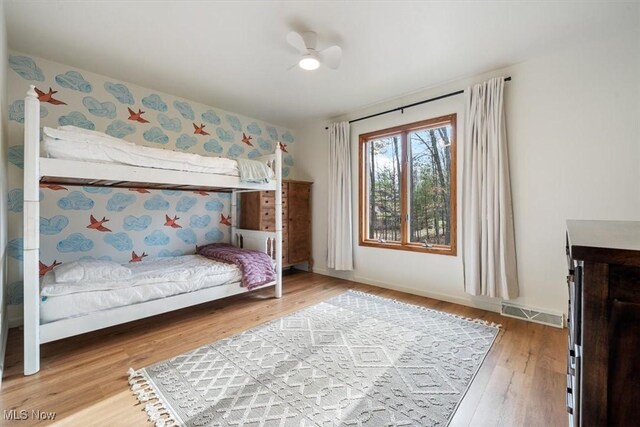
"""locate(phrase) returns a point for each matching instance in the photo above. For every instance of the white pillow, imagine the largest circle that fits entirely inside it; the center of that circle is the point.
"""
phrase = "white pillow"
(90, 271)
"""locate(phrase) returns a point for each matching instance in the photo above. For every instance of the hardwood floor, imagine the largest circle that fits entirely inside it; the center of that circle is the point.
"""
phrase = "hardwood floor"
(83, 379)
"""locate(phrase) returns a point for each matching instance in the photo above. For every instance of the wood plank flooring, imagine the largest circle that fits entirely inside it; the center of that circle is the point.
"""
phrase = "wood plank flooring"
(83, 379)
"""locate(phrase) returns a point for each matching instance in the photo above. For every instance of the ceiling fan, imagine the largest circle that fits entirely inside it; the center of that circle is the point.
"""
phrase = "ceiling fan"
(311, 58)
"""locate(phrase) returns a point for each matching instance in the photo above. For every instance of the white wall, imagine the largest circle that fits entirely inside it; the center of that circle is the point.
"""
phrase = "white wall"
(3, 183)
(573, 126)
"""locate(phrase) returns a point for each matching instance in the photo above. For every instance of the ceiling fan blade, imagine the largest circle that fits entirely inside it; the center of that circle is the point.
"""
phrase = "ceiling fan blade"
(331, 57)
(296, 40)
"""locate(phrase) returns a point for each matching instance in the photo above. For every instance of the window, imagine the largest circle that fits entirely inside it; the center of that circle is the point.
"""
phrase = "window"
(408, 187)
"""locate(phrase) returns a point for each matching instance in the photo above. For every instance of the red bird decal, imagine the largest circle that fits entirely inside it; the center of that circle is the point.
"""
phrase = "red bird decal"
(172, 222)
(137, 117)
(48, 97)
(199, 130)
(97, 225)
(54, 187)
(201, 193)
(140, 190)
(283, 147)
(225, 221)
(44, 269)
(246, 139)
(137, 258)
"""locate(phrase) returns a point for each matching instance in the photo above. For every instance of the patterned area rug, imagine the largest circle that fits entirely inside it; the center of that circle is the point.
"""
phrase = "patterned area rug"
(355, 359)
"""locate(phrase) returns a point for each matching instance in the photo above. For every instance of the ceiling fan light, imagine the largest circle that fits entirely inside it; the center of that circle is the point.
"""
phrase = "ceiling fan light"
(309, 63)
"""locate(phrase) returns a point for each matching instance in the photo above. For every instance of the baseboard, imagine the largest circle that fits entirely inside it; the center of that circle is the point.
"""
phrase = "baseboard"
(470, 302)
(4, 332)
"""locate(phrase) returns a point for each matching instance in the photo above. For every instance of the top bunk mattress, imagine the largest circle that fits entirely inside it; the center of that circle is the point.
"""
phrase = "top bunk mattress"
(73, 143)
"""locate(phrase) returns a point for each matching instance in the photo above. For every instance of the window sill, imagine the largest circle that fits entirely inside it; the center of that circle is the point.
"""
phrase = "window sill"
(435, 249)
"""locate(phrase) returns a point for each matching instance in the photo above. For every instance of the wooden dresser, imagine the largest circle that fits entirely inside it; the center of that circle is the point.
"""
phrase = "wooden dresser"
(257, 210)
(603, 372)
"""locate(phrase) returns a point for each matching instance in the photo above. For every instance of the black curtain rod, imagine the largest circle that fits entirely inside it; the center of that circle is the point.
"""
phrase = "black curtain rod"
(458, 92)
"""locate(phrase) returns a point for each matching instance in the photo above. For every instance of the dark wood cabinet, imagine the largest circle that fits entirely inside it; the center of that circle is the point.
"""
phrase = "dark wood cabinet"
(257, 212)
(603, 369)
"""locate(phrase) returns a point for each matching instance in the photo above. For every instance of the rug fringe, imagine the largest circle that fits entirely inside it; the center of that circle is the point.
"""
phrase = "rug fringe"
(156, 411)
(468, 319)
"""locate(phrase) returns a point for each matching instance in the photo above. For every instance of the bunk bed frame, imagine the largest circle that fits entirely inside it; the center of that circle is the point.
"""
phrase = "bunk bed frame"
(40, 169)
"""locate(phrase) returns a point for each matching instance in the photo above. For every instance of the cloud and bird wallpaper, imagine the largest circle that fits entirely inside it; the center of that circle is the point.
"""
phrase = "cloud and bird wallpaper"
(119, 224)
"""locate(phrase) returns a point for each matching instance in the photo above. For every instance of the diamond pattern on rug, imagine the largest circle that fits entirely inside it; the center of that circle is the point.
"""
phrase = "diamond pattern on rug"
(355, 359)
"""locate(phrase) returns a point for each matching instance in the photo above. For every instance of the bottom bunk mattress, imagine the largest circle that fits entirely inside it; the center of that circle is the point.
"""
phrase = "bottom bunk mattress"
(146, 281)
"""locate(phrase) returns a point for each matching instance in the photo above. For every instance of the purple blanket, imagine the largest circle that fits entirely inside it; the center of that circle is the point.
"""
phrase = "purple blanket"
(255, 266)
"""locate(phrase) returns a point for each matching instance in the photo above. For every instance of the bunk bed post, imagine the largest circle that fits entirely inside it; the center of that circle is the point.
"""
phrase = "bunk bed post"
(31, 233)
(278, 221)
(234, 211)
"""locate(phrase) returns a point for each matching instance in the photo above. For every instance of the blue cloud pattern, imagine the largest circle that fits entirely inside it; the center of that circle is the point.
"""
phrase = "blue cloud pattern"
(16, 111)
(119, 92)
(91, 258)
(120, 129)
(184, 109)
(156, 203)
(139, 224)
(16, 293)
(265, 145)
(15, 200)
(185, 142)
(155, 135)
(76, 201)
(210, 116)
(214, 205)
(134, 223)
(287, 137)
(273, 133)
(157, 238)
(254, 129)
(74, 80)
(76, 242)
(187, 236)
(234, 122)
(213, 146)
(15, 155)
(154, 102)
(53, 225)
(225, 135)
(119, 201)
(234, 151)
(100, 109)
(168, 123)
(120, 241)
(97, 190)
(185, 203)
(26, 68)
(214, 235)
(15, 249)
(76, 118)
(198, 221)
(166, 253)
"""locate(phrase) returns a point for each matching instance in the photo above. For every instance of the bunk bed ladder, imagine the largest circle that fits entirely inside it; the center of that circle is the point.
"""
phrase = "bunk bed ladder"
(31, 233)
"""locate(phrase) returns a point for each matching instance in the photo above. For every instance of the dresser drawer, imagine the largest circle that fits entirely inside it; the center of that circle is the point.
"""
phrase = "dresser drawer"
(268, 219)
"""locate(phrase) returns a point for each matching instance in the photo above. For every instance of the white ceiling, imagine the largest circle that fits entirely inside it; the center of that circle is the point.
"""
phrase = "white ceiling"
(233, 55)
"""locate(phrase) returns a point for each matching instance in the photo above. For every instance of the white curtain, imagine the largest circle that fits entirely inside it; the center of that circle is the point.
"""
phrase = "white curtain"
(488, 239)
(340, 239)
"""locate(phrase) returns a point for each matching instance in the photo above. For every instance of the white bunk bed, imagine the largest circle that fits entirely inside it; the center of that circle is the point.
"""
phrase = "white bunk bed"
(39, 169)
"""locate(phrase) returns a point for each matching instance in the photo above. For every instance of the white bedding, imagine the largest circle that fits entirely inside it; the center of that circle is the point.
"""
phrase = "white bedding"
(150, 280)
(73, 143)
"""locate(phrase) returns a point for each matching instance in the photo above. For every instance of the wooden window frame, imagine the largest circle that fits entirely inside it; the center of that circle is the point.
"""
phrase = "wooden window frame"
(404, 244)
